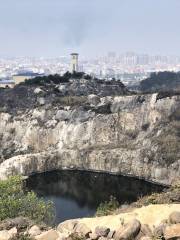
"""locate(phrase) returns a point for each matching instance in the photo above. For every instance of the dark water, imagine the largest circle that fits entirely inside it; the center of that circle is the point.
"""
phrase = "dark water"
(78, 194)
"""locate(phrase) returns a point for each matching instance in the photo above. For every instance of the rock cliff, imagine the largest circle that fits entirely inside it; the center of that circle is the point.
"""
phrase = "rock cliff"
(135, 135)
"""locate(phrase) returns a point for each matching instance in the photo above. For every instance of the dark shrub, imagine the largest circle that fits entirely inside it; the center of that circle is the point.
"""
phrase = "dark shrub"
(145, 126)
(15, 201)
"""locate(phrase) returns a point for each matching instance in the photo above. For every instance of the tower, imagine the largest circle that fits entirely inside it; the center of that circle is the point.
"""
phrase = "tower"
(74, 62)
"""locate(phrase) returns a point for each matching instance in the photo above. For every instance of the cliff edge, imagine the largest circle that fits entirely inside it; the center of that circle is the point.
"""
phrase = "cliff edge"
(136, 135)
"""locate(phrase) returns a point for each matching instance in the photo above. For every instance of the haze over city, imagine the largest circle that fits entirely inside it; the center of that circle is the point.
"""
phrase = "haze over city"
(89, 120)
(92, 28)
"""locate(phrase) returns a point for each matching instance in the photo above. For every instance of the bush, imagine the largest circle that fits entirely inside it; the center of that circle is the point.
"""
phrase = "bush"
(54, 79)
(107, 208)
(145, 126)
(15, 201)
(51, 79)
(22, 237)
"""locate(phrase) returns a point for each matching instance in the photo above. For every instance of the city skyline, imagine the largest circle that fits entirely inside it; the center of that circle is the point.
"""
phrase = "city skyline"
(130, 67)
(67, 55)
(51, 29)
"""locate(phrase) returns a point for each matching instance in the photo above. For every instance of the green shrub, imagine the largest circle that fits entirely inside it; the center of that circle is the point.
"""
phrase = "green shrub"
(22, 237)
(15, 201)
(166, 82)
(107, 207)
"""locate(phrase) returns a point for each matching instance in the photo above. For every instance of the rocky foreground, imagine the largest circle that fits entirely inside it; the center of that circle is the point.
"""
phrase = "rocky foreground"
(135, 135)
(146, 223)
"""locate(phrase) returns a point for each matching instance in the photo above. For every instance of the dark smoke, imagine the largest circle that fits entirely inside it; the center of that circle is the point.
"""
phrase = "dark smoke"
(76, 29)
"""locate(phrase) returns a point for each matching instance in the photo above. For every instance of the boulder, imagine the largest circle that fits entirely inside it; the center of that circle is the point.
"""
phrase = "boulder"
(62, 115)
(102, 231)
(146, 238)
(172, 232)
(110, 234)
(41, 101)
(82, 229)
(34, 231)
(72, 236)
(67, 226)
(174, 217)
(63, 88)
(13, 232)
(94, 99)
(102, 238)
(106, 100)
(145, 231)
(128, 231)
(5, 235)
(159, 230)
(39, 114)
(48, 235)
(38, 90)
(93, 236)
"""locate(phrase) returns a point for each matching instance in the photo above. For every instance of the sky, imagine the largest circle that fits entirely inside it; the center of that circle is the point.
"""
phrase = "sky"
(52, 28)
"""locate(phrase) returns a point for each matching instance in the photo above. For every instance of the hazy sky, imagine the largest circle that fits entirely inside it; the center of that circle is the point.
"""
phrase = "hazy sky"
(91, 27)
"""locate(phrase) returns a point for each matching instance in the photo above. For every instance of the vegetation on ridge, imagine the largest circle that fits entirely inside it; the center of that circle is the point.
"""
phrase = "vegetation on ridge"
(56, 78)
(170, 195)
(161, 81)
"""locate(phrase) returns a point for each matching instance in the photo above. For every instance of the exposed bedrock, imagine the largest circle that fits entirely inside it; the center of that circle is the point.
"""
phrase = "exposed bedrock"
(129, 135)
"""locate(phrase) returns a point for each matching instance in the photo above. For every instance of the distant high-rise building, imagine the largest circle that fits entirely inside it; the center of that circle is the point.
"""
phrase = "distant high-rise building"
(143, 59)
(129, 59)
(112, 55)
(74, 62)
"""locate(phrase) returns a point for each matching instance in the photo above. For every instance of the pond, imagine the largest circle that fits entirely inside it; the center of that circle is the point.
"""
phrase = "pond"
(77, 194)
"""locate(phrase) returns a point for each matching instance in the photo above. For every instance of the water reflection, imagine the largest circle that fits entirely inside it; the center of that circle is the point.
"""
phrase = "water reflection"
(78, 194)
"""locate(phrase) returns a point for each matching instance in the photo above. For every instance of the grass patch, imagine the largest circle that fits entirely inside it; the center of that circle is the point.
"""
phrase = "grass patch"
(107, 207)
(170, 195)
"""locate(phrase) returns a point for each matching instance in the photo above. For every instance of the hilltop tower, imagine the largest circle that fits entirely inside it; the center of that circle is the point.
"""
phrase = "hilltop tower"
(74, 62)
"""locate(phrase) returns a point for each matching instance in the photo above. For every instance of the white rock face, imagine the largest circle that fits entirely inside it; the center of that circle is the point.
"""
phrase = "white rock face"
(125, 141)
(38, 90)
